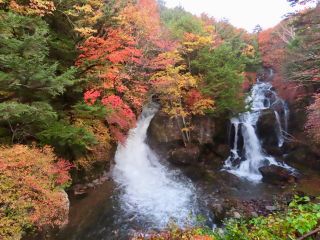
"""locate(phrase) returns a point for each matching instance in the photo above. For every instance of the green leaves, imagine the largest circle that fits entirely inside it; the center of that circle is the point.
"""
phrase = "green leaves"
(67, 140)
(25, 69)
(85, 111)
(179, 22)
(301, 217)
(222, 71)
(25, 120)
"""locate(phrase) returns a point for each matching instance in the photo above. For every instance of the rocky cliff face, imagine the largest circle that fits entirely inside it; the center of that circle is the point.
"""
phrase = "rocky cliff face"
(209, 140)
(298, 149)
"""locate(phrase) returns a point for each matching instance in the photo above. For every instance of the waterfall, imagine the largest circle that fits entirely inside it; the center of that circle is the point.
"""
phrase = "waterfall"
(150, 192)
(253, 156)
(234, 150)
(279, 130)
(286, 117)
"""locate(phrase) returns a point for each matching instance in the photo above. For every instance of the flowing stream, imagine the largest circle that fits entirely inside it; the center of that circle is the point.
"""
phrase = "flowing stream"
(151, 193)
(246, 159)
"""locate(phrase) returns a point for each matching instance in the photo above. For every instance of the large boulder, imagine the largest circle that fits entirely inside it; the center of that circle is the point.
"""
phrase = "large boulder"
(303, 155)
(267, 128)
(203, 130)
(164, 129)
(185, 155)
(65, 202)
(276, 175)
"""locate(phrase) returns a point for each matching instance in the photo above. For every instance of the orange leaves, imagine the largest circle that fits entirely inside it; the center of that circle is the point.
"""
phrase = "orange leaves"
(142, 20)
(165, 59)
(91, 96)
(117, 47)
(129, 53)
(29, 184)
(197, 103)
(272, 48)
(202, 238)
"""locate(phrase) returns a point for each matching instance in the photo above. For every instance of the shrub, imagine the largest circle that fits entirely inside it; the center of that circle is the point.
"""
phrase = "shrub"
(31, 184)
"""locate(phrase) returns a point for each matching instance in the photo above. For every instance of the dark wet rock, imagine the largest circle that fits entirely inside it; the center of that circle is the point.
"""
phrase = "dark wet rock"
(267, 128)
(223, 150)
(278, 106)
(228, 178)
(210, 158)
(304, 155)
(223, 180)
(276, 175)
(203, 130)
(82, 189)
(164, 129)
(165, 138)
(274, 151)
(185, 155)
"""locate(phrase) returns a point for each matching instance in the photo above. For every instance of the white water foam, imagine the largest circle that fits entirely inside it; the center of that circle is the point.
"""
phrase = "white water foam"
(150, 191)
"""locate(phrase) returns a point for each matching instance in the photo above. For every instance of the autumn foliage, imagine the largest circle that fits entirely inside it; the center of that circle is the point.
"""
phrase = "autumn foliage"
(116, 60)
(30, 7)
(272, 48)
(313, 122)
(31, 184)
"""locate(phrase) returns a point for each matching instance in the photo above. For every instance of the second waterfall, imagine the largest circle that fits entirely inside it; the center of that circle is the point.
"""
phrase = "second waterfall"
(247, 154)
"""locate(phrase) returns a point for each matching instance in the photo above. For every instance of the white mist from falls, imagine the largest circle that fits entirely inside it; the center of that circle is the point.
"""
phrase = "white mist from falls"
(245, 161)
(151, 192)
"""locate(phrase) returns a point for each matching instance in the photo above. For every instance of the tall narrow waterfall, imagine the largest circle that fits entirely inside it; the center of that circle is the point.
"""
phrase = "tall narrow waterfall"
(246, 159)
(151, 193)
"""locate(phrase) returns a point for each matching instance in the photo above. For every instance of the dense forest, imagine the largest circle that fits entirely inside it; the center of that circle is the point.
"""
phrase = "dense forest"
(76, 75)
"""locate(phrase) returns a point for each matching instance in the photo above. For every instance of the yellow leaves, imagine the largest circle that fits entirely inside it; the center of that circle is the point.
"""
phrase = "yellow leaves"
(201, 106)
(172, 81)
(85, 16)
(177, 88)
(142, 18)
(194, 42)
(32, 7)
(85, 8)
(85, 31)
(249, 51)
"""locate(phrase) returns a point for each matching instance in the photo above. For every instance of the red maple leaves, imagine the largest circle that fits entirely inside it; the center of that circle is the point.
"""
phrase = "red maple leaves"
(117, 47)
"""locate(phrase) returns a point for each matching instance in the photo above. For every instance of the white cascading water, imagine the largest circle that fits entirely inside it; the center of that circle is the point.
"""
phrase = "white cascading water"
(279, 130)
(150, 191)
(262, 97)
